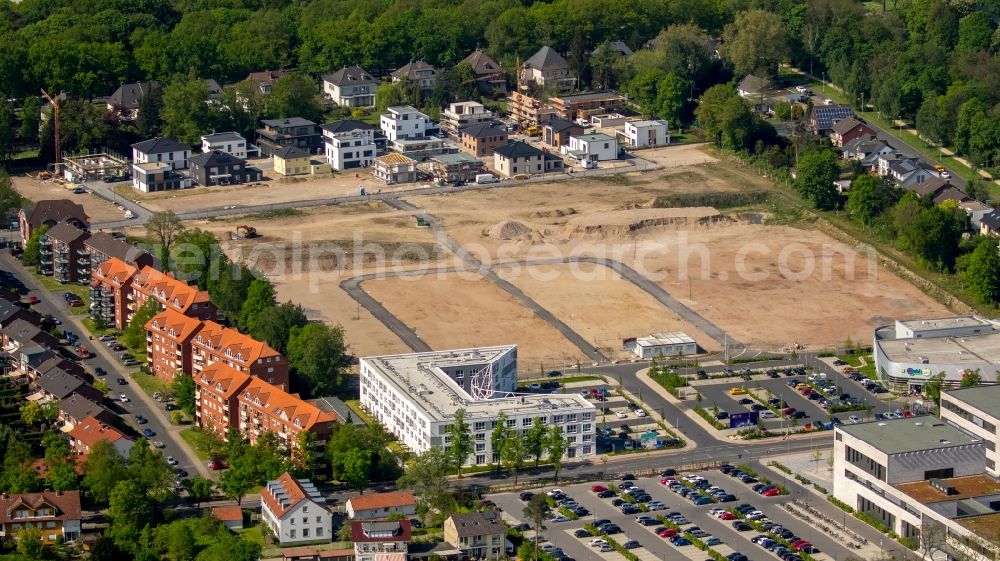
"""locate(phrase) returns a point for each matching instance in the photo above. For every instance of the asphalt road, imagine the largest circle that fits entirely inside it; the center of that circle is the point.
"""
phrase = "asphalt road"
(139, 403)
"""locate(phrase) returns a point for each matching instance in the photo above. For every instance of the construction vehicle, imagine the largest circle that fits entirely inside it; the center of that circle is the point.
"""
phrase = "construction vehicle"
(246, 232)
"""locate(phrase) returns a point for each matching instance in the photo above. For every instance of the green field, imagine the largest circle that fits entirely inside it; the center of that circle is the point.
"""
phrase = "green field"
(150, 384)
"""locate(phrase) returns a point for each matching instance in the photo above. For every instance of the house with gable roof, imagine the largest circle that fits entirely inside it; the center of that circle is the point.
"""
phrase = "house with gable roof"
(216, 404)
(490, 76)
(215, 343)
(49, 213)
(351, 86)
(111, 292)
(547, 69)
(56, 514)
(376, 506)
(172, 293)
(168, 344)
(478, 535)
(295, 511)
(88, 432)
(266, 408)
(424, 75)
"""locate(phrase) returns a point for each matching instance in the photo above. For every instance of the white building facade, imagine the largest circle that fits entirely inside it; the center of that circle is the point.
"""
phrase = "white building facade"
(415, 397)
(295, 511)
(463, 114)
(594, 147)
(975, 410)
(231, 143)
(161, 150)
(646, 134)
(674, 343)
(403, 122)
(349, 144)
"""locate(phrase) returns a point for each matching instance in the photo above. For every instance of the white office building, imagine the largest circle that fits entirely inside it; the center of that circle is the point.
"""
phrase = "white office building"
(231, 143)
(404, 122)
(908, 353)
(415, 397)
(646, 134)
(977, 411)
(673, 343)
(349, 144)
(295, 511)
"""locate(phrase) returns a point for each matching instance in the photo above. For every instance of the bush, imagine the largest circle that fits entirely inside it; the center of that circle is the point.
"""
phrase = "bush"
(782, 467)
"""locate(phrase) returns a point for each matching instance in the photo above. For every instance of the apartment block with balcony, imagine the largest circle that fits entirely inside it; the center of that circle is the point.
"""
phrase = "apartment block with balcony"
(976, 410)
(216, 405)
(281, 133)
(111, 292)
(168, 344)
(267, 408)
(216, 343)
(56, 514)
(63, 253)
(171, 293)
(463, 114)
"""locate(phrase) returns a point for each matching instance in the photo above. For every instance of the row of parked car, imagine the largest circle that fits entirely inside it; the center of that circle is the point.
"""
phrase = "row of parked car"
(111, 342)
(764, 489)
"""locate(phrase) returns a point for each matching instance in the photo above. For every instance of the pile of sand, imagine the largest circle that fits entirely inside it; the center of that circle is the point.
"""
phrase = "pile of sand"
(627, 223)
(510, 230)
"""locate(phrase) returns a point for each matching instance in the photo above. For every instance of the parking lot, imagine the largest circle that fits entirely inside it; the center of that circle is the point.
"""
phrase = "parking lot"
(765, 387)
(653, 547)
(622, 424)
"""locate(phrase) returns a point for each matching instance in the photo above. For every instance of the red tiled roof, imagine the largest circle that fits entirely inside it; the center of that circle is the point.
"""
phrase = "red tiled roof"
(228, 513)
(277, 403)
(293, 492)
(171, 292)
(65, 503)
(223, 378)
(113, 269)
(382, 500)
(183, 326)
(90, 430)
(241, 347)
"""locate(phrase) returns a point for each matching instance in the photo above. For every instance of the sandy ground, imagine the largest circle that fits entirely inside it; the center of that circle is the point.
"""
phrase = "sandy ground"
(298, 188)
(458, 311)
(775, 286)
(675, 156)
(98, 209)
(599, 305)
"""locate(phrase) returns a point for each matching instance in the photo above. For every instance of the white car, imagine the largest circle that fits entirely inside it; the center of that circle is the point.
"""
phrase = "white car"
(123, 398)
(597, 542)
(801, 89)
(559, 518)
(621, 414)
(640, 413)
(853, 419)
(555, 492)
(767, 415)
(171, 461)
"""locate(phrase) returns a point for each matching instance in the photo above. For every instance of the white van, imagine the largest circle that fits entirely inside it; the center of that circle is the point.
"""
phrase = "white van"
(483, 178)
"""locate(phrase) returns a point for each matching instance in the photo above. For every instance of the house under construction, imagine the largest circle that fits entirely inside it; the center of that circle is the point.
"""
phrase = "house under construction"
(90, 167)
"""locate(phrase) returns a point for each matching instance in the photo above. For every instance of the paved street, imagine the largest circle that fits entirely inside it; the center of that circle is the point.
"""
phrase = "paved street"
(139, 403)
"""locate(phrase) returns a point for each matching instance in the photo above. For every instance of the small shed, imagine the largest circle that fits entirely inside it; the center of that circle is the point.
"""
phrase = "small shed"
(230, 516)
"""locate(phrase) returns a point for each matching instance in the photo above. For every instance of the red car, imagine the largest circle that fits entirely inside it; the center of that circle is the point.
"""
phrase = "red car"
(668, 533)
(33, 299)
(802, 544)
(907, 414)
(788, 411)
(216, 465)
(772, 492)
(667, 480)
(727, 516)
(598, 488)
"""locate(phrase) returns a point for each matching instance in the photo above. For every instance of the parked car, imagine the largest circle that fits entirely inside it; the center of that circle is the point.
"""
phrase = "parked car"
(148, 433)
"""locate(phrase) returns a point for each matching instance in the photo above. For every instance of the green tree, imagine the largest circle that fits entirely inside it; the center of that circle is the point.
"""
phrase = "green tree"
(535, 440)
(817, 170)
(199, 489)
(426, 474)
(196, 257)
(971, 379)
(130, 512)
(499, 437)
(755, 43)
(275, 325)
(10, 199)
(103, 470)
(237, 481)
(975, 32)
(605, 67)
(29, 542)
(231, 548)
(149, 121)
(357, 463)
(60, 467)
(515, 453)
(295, 95)
(982, 275)
(726, 117)
(181, 545)
(182, 388)
(134, 336)
(260, 296)
(162, 229)
(683, 50)
(318, 354)
(30, 119)
(869, 197)
(555, 447)
(536, 510)
(187, 113)
(32, 254)
(461, 440)
(83, 126)
(34, 413)
(149, 469)
(8, 128)
(932, 387)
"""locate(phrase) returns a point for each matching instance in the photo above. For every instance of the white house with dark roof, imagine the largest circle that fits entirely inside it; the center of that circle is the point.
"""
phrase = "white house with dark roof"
(231, 143)
(128, 97)
(295, 511)
(161, 150)
(517, 158)
(547, 68)
(349, 144)
(351, 86)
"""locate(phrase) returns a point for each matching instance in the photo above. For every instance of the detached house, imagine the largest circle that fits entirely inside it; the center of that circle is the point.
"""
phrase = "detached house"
(419, 72)
(264, 81)
(518, 158)
(752, 86)
(478, 535)
(85, 434)
(56, 514)
(490, 76)
(547, 69)
(349, 144)
(154, 165)
(593, 147)
(989, 224)
(381, 505)
(823, 117)
(351, 86)
(404, 122)
(557, 132)
(295, 511)
(646, 133)
(381, 541)
(291, 132)
(482, 139)
(128, 97)
(291, 160)
(463, 114)
(848, 129)
(395, 168)
(220, 168)
(231, 143)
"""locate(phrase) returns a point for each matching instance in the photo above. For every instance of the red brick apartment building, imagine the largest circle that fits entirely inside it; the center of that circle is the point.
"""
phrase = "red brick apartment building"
(168, 343)
(226, 398)
(110, 292)
(216, 343)
(119, 289)
(173, 294)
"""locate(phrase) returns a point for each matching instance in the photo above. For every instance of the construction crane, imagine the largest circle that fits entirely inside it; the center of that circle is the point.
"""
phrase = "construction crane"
(55, 115)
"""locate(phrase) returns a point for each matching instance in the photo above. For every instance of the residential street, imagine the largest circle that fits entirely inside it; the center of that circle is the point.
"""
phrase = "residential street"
(139, 402)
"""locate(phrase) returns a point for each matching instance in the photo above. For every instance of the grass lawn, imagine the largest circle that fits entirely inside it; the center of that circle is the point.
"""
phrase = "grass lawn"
(356, 409)
(89, 324)
(855, 360)
(59, 288)
(200, 441)
(253, 534)
(150, 384)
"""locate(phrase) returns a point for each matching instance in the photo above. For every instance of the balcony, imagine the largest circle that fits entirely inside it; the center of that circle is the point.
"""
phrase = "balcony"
(83, 253)
(45, 250)
(44, 241)
(62, 260)
(130, 295)
(130, 307)
(83, 261)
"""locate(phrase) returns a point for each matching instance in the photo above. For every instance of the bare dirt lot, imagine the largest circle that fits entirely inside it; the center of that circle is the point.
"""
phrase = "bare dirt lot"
(98, 209)
(598, 304)
(458, 311)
